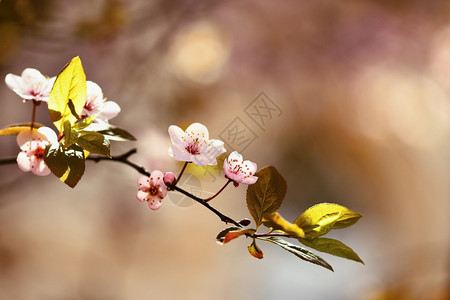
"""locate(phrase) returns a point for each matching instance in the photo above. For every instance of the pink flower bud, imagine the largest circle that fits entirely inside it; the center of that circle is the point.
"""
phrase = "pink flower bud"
(169, 179)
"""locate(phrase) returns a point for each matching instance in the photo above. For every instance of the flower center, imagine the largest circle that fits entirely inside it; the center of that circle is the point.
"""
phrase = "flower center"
(153, 190)
(193, 148)
(39, 152)
(89, 106)
(236, 169)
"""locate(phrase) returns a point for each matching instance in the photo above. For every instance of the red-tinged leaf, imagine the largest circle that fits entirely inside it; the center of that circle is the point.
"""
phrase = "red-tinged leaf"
(254, 250)
(231, 233)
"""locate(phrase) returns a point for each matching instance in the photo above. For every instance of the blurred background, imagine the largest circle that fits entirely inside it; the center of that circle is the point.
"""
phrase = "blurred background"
(348, 99)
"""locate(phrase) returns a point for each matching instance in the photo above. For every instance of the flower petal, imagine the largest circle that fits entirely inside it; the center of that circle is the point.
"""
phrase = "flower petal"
(251, 167)
(93, 90)
(142, 196)
(39, 167)
(156, 177)
(178, 152)
(176, 134)
(203, 160)
(199, 130)
(143, 183)
(109, 110)
(24, 137)
(154, 202)
(24, 162)
(249, 180)
(14, 82)
(235, 157)
(49, 134)
(32, 75)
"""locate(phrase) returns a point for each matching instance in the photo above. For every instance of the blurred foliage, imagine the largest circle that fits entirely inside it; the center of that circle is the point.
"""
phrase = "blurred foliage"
(106, 26)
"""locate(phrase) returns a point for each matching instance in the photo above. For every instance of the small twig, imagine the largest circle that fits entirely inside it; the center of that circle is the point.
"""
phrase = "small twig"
(270, 234)
(215, 195)
(181, 173)
(122, 158)
(7, 161)
(33, 114)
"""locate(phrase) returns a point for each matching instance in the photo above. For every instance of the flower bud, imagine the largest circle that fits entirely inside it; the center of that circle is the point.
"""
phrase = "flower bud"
(169, 179)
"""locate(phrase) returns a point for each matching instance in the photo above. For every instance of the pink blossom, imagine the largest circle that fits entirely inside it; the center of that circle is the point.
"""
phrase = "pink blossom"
(238, 170)
(194, 145)
(97, 105)
(152, 189)
(33, 143)
(31, 85)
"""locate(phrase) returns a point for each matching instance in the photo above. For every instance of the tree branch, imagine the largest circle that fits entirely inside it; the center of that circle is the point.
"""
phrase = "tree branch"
(123, 158)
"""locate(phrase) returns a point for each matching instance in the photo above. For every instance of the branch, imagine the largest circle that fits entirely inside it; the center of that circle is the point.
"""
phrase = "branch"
(205, 204)
(7, 161)
(123, 158)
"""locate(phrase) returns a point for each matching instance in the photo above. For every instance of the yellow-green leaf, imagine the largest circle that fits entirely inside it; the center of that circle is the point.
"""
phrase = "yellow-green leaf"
(321, 218)
(333, 247)
(94, 142)
(68, 95)
(266, 195)
(276, 222)
(15, 129)
(254, 250)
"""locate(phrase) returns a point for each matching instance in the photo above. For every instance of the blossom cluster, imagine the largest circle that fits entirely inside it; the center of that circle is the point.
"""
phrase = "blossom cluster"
(194, 145)
(33, 86)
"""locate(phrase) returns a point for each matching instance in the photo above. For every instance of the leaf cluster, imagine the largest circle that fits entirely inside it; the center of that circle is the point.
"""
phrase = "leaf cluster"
(264, 199)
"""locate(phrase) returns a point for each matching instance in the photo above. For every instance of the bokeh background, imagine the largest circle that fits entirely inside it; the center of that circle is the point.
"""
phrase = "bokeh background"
(363, 120)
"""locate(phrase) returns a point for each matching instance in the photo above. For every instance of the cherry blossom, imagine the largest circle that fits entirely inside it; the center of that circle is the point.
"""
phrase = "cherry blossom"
(96, 104)
(194, 145)
(33, 143)
(31, 85)
(152, 189)
(238, 170)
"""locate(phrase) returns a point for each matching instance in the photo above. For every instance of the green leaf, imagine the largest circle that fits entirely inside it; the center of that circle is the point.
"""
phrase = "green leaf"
(298, 251)
(117, 134)
(67, 164)
(266, 195)
(55, 159)
(81, 124)
(231, 233)
(15, 129)
(333, 247)
(276, 222)
(68, 95)
(70, 136)
(321, 218)
(94, 142)
(75, 165)
(254, 250)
